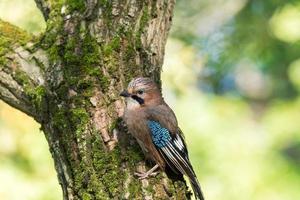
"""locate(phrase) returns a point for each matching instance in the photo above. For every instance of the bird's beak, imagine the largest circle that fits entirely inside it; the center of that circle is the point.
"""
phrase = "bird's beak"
(125, 93)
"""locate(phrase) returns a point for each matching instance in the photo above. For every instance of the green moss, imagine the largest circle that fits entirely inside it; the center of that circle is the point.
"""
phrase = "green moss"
(9, 36)
(37, 96)
(79, 115)
(107, 50)
(107, 182)
(129, 53)
(113, 45)
(97, 188)
(59, 119)
(111, 58)
(150, 188)
(87, 183)
(106, 5)
(91, 55)
(180, 190)
(78, 5)
(103, 2)
(109, 167)
(81, 55)
(21, 78)
(70, 57)
(49, 41)
(143, 22)
(104, 83)
(86, 196)
(80, 65)
(74, 120)
(133, 155)
(4, 49)
(53, 53)
(144, 18)
(79, 118)
(114, 125)
(134, 189)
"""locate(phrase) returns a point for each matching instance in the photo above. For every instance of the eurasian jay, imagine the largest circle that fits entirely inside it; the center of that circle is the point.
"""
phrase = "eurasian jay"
(154, 125)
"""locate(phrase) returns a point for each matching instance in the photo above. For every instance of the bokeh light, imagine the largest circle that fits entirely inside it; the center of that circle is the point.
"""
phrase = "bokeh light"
(294, 73)
(286, 22)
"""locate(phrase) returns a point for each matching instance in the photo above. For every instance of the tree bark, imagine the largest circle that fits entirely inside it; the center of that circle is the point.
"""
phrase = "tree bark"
(69, 81)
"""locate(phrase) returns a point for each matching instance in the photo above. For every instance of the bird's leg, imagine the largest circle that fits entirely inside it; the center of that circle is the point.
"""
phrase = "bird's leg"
(148, 173)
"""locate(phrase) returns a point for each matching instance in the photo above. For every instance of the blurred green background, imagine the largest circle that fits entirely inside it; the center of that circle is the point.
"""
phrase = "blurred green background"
(231, 74)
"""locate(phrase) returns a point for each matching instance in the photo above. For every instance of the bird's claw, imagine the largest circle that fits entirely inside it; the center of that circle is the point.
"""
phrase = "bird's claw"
(144, 175)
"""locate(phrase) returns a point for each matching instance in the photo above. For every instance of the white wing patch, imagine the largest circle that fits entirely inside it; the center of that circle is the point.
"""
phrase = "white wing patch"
(177, 157)
(178, 142)
(175, 154)
(171, 157)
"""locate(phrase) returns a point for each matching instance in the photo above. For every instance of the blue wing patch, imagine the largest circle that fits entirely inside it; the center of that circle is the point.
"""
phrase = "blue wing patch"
(174, 153)
(159, 134)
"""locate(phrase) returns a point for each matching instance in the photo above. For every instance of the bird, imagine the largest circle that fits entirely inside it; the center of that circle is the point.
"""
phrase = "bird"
(154, 125)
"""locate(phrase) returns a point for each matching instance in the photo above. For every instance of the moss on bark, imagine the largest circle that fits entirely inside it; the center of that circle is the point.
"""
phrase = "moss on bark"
(94, 49)
(10, 36)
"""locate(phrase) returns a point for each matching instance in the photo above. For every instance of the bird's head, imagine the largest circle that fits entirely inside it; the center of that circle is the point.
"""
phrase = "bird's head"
(141, 92)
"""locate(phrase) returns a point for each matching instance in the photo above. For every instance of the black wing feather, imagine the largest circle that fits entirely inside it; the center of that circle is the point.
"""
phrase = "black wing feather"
(175, 154)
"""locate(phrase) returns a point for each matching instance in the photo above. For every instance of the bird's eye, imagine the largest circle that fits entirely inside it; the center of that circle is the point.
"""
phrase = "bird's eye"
(140, 92)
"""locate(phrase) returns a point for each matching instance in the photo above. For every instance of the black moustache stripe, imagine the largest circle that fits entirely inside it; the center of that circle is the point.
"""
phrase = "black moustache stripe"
(138, 99)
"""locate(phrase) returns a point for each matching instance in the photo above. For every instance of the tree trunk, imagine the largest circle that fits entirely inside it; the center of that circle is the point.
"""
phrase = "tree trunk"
(69, 80)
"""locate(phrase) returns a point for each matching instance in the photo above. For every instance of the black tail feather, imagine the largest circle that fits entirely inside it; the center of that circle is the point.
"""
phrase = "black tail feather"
(180, 165)
(196, 188)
